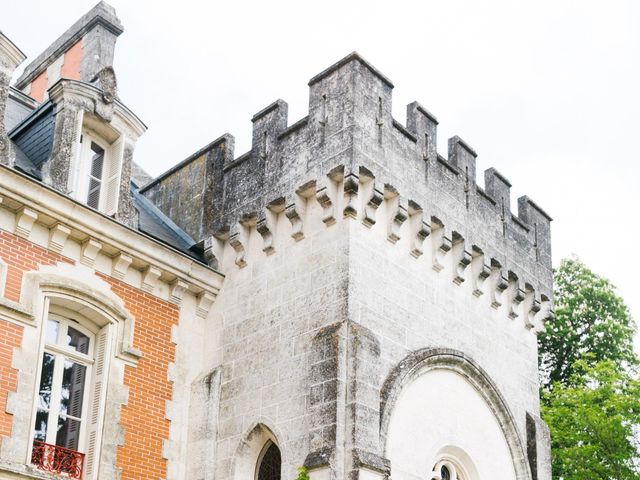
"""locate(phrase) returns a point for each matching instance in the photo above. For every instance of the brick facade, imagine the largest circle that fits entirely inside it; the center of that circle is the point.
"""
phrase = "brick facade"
(143, 417)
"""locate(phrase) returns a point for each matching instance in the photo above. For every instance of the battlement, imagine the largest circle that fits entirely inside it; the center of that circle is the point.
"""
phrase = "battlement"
(349, 146)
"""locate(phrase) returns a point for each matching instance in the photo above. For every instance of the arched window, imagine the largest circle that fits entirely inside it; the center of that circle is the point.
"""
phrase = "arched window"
(269, 463)
(68, 407)
(447, 470)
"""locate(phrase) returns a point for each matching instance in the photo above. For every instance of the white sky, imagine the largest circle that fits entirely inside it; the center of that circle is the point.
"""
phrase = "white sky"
(546, 91)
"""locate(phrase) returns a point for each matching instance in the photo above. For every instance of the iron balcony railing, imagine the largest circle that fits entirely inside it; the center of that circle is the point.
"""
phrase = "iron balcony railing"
(55, 459)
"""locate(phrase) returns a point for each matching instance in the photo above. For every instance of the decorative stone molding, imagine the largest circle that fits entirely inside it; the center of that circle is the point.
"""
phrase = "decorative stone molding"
(499, 283)
(89, 252)
(267, 236)
(204, 302)
(120, 265)
(481, 270)
(25, 219)
(58, 237)
(350, 188)
(297, 225)
(441, 244)
(238, 247)
(376, 197)
(328, 215)
(176, 294)
(150, 278)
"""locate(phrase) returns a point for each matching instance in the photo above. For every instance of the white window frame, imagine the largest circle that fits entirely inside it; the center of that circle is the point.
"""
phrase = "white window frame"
(84, 167)
(91, 449)
(60, 351)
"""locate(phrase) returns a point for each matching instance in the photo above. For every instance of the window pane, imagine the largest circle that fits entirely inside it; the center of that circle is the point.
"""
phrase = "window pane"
(97, 160)
(93, 198)
(72, 393)
(51, 333)
(46, 381)
(78, 340)
(68, 435)
(40, 430)
(271, 464)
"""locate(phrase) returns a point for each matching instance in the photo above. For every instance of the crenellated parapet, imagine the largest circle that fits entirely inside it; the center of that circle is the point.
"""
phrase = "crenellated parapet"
(352, 160)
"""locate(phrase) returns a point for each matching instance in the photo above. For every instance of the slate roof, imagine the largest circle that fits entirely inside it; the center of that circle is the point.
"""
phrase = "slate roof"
(32, 140)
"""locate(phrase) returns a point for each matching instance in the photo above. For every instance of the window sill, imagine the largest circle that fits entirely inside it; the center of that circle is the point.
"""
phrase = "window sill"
(15, 471)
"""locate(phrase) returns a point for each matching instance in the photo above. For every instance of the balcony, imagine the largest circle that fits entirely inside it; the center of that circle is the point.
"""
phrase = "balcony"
(55, 459)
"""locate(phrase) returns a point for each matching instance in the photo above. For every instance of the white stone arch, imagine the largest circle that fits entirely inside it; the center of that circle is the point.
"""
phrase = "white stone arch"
(77, 290)
(469, 378)
(252, 447)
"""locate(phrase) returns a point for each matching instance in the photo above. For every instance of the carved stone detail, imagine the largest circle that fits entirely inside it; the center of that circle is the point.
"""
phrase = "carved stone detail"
(58, 237)
(176, 294)
(238, 247)
(481, 271)
(150, 278)
(440, 245)
(203, 304)
(417, 246)
(25, 219)
(292, 214)
(499, 283)
(120, 265)
(328, 215)
(350, 194)
(267, 236)
(372, 206)
(90, 250)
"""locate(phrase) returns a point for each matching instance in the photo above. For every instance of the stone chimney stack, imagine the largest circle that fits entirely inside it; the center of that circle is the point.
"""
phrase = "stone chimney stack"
(80, 53)
(10, 58)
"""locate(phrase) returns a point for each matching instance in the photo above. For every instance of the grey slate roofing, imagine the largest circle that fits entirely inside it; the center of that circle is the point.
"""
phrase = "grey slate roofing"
(157, 225)
(32, 140)
(34, 135)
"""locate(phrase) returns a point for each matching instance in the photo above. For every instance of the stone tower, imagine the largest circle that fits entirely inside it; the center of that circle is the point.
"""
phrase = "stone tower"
(379, 311)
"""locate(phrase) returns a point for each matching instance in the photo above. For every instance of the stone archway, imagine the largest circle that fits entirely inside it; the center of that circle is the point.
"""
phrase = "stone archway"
(431, 387)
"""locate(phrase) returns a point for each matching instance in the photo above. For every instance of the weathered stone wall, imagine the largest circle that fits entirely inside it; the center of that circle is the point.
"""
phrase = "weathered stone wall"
(271, 312)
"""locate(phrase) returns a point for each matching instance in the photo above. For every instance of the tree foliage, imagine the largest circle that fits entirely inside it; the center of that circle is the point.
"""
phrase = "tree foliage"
(590, 318)
(592, 423)
(590, 384)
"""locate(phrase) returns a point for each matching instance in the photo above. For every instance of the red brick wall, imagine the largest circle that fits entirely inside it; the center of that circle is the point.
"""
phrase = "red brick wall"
(20, 256)
(143, 417)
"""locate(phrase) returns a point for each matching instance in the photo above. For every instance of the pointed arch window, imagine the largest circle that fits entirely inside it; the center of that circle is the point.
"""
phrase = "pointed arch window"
(269, 463)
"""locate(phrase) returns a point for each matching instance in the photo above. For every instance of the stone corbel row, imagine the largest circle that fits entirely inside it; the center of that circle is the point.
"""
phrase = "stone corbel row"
(360, 196)
(121, 262)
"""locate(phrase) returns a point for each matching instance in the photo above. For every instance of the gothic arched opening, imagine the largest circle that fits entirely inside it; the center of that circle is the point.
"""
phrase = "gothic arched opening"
(270, 463)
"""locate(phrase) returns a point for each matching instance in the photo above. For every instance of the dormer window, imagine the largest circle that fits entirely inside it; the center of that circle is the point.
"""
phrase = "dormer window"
(98, 165)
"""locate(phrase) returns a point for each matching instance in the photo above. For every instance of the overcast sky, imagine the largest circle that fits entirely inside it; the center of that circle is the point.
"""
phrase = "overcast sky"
(546, 91)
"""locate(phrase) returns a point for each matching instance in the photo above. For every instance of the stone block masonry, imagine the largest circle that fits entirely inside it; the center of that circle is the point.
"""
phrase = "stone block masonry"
(351, 249)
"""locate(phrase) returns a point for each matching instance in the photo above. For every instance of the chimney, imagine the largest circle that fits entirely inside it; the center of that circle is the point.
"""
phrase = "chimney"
(78, 54)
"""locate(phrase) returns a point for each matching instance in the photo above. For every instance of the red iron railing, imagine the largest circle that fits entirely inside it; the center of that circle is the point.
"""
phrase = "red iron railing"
(55, 459)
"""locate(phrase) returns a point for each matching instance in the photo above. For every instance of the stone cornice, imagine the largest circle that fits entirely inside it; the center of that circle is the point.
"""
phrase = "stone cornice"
(77, 91)
(10, 53)
(42, 199)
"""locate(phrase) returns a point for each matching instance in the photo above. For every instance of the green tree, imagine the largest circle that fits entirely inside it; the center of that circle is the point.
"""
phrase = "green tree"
(590, 318)
(592, 421)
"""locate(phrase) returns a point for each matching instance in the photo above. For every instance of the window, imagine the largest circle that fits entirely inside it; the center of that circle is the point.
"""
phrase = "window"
(69, 394)
(446, 470)
(270, 463)
(97, 175)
